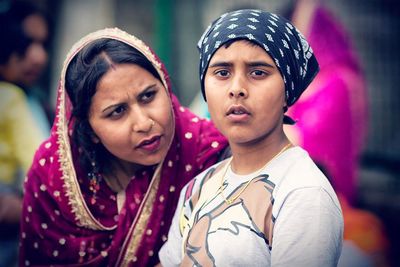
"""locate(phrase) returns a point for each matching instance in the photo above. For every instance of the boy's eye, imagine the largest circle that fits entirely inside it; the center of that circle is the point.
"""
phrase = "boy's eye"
(258, 73)
(222, 73)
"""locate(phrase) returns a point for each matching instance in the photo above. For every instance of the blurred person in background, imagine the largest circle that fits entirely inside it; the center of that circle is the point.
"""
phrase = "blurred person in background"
(332, 124)
(23, 119)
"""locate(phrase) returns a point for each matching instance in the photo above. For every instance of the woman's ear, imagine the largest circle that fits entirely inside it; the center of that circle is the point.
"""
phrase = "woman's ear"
(94, 138)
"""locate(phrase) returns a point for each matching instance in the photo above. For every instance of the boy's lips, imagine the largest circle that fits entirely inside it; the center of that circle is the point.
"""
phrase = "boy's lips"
(237, 110)
(238, 114)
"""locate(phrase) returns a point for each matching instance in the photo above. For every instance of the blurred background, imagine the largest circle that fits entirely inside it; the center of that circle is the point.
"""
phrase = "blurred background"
(173, 27)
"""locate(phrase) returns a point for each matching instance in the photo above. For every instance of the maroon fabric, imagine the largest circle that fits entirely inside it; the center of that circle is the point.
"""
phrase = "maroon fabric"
(50, 230)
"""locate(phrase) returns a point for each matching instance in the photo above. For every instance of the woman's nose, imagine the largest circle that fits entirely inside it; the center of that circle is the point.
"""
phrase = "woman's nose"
(142, 123)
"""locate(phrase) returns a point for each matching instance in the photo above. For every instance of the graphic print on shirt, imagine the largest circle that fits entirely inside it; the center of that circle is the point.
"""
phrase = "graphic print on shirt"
(191, 198)
(248, 220)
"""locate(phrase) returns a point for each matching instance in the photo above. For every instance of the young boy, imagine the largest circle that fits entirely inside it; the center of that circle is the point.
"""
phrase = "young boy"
(269, 204)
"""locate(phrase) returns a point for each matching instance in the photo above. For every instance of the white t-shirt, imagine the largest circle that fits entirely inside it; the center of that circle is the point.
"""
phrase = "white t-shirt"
(288, 215)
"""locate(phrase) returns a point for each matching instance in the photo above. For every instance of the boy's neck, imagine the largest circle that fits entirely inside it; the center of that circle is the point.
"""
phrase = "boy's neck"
(250, 158)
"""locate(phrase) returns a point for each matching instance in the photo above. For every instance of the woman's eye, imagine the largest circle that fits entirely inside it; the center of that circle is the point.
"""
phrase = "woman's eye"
(222, 73)
(117, 112)
(147, 96)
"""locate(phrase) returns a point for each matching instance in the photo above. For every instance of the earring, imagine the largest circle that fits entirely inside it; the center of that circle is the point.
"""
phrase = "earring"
(94, 177)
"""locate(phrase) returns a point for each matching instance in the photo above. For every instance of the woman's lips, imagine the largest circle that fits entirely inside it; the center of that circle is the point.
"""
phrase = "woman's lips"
(150, 144)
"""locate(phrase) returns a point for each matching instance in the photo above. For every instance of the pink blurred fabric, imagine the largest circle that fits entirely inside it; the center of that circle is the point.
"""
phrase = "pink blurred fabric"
(332, 115)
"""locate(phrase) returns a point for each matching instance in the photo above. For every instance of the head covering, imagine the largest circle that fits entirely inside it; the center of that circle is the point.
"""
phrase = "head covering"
(61, 226)
(277, 36)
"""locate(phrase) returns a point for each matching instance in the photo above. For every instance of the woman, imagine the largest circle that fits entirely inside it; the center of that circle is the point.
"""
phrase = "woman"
(269, 202)
(101, 188)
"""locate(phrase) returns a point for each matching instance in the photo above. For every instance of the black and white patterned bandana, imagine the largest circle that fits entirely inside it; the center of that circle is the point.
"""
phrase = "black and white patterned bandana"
(277, 36)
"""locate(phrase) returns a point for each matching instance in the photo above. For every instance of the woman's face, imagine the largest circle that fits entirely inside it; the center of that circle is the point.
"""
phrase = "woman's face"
(131, 115)
(245, 94)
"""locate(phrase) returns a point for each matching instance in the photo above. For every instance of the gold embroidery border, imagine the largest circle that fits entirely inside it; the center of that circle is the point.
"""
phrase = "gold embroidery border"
(83, 216)
(138, 226)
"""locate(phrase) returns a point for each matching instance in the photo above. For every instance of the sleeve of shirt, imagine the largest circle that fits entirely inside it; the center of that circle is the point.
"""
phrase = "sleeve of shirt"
(308, 230)
(170, 253)
(23, 136)
(23, 123)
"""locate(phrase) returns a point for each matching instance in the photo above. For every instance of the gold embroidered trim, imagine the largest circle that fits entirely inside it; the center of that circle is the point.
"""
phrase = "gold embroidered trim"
(138, 226)
(83, 216)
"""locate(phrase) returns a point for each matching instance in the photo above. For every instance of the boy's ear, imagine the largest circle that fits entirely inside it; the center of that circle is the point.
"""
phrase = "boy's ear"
(285, 107)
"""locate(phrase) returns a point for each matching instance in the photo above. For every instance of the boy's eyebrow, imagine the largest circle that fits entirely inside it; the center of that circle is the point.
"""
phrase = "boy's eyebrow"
(221, 64)
(250, 64)
(260, 63)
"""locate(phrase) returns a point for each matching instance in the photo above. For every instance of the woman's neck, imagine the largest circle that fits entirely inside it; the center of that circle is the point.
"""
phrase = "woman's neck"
(120, 174)
(250, 158)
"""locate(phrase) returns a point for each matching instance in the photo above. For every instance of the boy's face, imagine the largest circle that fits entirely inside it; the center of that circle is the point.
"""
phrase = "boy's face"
(245, 94)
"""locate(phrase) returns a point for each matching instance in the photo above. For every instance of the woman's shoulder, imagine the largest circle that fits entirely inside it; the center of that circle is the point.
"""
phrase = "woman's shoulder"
(190, 122)
(198, 138)
(46, 154)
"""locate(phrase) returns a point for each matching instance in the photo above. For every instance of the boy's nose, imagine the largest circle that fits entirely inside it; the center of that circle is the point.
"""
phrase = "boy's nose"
(238, 92)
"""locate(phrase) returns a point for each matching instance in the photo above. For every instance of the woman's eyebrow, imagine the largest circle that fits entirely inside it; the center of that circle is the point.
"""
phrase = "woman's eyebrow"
(146, 89)
(110, 107)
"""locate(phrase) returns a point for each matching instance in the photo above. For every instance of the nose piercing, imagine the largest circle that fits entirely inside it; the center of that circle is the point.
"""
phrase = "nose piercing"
(152, 123)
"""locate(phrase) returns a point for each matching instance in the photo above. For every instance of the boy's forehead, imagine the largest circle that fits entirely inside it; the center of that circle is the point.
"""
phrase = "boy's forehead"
(240, 49)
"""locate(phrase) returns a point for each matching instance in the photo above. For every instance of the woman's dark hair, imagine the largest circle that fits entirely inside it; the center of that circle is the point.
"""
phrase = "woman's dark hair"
(83, 73)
